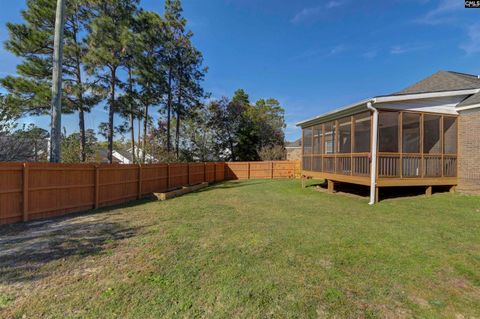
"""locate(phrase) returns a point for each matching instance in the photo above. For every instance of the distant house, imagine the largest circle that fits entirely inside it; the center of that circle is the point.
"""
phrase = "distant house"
(294, 150)
(425, 135)
(124, 156)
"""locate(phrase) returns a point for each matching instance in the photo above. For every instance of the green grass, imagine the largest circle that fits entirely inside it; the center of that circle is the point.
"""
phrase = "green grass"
(268, 249)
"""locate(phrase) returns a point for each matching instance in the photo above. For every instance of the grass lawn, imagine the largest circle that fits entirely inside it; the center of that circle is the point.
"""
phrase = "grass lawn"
(248, 250)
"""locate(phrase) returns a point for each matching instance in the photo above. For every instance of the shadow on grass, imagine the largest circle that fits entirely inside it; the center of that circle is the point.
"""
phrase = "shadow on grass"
(385, 193)
(26, 248)
(232, 184)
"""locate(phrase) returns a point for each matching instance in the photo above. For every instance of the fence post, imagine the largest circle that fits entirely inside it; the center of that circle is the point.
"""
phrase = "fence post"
(97, 186)
(271, 170)
(25, 192)
(168, 176)
(188, 174)
(248, 170)
(139, 181)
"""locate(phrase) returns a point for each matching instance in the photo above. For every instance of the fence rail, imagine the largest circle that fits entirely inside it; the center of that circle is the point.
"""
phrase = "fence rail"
(39, 190)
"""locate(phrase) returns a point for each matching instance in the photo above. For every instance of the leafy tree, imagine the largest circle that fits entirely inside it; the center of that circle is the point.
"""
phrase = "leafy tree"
(27, 144)
(108, 38)
(71, 147)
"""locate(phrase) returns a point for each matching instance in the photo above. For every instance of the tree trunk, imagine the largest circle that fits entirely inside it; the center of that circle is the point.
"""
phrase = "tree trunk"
(132, 117)
(139, 136)
(177, 135)
(56, 125)
(111, 112)
(177, 131)
(145, 127)
(81, 112)
(169, 108)
(81, 124)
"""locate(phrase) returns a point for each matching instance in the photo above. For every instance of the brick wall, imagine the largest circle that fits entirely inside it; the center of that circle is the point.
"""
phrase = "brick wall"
(469, 151)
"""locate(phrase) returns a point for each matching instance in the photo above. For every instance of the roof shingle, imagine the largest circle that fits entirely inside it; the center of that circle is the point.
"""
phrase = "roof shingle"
(443, 81)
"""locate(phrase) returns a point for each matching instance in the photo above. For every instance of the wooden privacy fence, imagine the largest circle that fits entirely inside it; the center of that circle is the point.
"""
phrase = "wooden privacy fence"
(40, 190)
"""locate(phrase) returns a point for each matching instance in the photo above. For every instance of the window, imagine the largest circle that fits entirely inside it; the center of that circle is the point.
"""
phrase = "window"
(329, 146)
(307, 141)
(317, 139)
(431, 134)
(345, 135)
(388, 132)
(450, 135)
(362, 132)
(411, 133)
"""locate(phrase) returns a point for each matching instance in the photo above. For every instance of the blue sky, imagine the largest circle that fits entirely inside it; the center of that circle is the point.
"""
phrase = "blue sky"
(313, 56)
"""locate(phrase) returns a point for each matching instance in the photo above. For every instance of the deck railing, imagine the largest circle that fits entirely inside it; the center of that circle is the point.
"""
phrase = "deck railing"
(390, 165)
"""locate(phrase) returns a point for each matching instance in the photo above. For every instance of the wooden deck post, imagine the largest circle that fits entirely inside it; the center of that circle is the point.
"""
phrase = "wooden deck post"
(428, 191)
(331, 186)
(377, 194)
(25, 192)
(303, 181)
(97, 186)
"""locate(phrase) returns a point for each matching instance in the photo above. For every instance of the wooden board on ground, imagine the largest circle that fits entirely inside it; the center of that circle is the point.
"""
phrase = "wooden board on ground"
(179, 192)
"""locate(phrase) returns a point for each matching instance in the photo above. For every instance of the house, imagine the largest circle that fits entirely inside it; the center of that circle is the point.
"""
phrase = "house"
(120, 156)
(427, 134)
(294, 150)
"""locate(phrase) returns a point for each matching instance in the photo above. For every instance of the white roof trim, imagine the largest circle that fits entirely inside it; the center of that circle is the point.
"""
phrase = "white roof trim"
(468, 107)
(345, 108)
(417, 96)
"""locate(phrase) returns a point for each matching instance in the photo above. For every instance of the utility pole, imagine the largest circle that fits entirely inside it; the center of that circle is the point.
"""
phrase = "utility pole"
(56, 124)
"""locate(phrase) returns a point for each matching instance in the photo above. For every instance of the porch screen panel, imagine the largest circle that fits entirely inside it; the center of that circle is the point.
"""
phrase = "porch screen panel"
(411, 133)
(329, 145)
(450, 135)
(345, 135)
(432, 148)
(362, 133)
(317, 139)
(431, 134)
(317, 148)
(388, 132)
(307, 149)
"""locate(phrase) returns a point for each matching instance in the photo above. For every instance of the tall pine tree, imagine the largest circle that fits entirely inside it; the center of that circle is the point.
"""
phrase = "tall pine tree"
(108, 38)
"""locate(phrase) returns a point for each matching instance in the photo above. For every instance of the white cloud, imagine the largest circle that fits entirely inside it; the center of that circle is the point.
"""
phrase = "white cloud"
(333, 4)
(308, 14)
(402, 49)
(320, 53)
(473, 44)
(370, 54)
(337, 49)
(442, 13)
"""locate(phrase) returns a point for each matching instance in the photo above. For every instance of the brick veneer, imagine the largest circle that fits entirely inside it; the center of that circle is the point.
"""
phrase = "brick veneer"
(469, 151)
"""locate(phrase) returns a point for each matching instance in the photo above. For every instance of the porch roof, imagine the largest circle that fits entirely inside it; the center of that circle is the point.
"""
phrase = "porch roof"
(439, 85)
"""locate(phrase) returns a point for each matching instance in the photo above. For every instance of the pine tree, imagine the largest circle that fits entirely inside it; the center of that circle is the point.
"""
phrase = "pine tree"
(108, 38)
(32, 41)
(149, 64)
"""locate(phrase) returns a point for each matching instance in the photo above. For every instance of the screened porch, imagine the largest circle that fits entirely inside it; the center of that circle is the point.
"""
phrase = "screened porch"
(414, 148)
